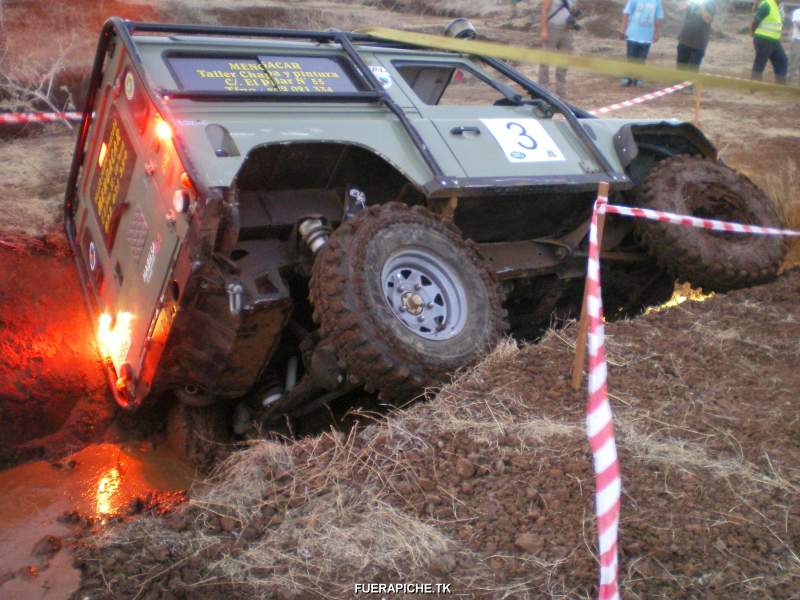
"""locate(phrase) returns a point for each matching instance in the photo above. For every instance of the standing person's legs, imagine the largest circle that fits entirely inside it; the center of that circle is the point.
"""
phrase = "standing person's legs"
(696, 58)
(641, 56)
(544, 70)
(779, 61)
(684, 53)
(633, 51)
(565, 44)
(794, 61)
(763, 50)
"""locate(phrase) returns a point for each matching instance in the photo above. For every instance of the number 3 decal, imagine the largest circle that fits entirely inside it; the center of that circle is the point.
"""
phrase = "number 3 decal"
(523, 133)
(524, 140)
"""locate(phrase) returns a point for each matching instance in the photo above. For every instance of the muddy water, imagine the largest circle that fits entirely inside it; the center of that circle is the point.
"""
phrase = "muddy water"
(99, 481)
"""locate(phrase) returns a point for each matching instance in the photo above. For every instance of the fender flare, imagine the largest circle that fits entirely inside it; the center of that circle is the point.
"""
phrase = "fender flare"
(667, 138)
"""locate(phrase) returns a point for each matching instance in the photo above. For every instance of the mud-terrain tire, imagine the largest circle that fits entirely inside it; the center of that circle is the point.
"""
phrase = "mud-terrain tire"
(712, 260)
(199, 435)
(353, 282)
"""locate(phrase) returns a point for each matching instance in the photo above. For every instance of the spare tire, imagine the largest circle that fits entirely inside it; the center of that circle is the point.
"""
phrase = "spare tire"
(404, 300)
(715, 261)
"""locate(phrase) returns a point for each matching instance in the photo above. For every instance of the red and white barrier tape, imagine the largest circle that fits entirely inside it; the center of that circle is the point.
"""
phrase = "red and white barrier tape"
(668, 217)
(18, 118)
(599, 419)
(639, 100)
(600, 424)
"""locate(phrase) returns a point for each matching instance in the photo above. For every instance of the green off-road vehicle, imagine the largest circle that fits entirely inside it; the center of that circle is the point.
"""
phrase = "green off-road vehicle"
(281, 218)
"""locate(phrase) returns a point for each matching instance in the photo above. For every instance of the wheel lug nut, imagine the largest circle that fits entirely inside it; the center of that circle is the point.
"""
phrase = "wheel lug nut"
(430, 304)
(402, 309)
(401, 289)
(421, 319)
(417, 286)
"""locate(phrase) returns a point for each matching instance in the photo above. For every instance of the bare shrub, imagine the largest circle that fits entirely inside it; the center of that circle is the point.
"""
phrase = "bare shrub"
(32, 85)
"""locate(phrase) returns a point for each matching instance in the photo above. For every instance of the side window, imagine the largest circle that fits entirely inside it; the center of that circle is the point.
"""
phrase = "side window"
(441, 84)
(429, 82)
(466, 89)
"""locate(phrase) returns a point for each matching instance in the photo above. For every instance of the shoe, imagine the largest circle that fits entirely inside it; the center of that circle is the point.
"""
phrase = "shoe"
(627, 82)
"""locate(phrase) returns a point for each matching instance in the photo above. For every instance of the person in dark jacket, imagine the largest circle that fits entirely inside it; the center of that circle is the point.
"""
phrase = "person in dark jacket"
(695, 33)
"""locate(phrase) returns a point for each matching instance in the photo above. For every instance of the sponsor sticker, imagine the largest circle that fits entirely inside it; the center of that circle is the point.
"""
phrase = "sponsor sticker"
(130, 85)
(523, 140)
(150, 261)
(382, 75)
(264, 73)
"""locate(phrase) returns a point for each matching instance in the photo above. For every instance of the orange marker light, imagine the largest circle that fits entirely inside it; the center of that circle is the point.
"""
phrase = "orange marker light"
(114, 341)
(186, 181)
(163, 129)
(102, 157)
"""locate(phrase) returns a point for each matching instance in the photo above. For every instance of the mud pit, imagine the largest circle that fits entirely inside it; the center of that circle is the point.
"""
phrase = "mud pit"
(46, 507)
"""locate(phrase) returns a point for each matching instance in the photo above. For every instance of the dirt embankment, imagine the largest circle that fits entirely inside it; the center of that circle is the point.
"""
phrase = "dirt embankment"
(53, 392)
(488, 486)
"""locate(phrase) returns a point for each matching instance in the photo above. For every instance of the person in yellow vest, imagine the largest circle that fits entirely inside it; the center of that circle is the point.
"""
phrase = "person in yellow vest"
(767, 28)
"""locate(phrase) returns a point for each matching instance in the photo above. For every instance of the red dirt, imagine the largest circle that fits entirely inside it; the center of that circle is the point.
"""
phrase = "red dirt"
(29, 22)
(49, 368)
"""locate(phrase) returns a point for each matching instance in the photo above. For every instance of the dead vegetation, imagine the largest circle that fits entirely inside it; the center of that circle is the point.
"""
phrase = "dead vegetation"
(32, 85)
(33, 189)
(782, 185)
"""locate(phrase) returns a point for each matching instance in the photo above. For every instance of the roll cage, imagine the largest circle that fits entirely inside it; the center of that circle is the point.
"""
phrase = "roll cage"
(117, 30)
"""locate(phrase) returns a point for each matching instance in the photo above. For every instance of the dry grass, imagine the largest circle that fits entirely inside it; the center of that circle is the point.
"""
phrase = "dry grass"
(344, 530)
(318, 510)
(783, 186)
(487, 403)
(315, 515)
(659, 447)
(33, 189)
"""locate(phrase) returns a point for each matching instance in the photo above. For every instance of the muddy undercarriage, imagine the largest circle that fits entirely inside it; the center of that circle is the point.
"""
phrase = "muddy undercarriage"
(250, 332)
(257, 328)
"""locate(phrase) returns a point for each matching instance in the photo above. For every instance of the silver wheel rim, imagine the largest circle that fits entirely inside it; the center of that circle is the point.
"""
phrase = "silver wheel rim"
(424, 293)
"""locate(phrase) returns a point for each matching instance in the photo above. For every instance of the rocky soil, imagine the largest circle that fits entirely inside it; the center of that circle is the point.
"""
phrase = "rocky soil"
(487, 486)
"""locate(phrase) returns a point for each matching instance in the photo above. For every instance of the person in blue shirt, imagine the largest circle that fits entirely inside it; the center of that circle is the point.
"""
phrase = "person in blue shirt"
(641, 27)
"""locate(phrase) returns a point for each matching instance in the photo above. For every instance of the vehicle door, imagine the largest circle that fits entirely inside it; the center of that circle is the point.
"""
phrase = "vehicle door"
(488, 133)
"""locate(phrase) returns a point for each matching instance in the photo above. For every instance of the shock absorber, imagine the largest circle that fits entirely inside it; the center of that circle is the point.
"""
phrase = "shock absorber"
(314, 233)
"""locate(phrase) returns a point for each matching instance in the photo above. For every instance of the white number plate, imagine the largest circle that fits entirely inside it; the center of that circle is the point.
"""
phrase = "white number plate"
(523, 140)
